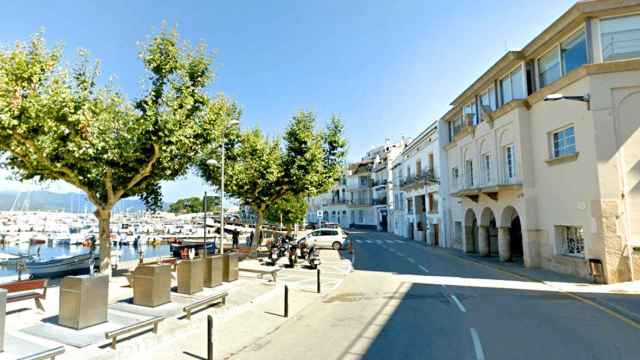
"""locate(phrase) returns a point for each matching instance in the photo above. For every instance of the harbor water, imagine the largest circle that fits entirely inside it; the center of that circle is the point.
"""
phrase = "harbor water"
(50, 251)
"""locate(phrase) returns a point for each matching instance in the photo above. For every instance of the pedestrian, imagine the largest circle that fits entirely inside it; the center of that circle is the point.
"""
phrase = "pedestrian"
(251, 239)
(236, 238)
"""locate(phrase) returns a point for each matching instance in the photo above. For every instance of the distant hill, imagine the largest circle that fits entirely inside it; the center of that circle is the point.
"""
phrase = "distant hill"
(51, 201)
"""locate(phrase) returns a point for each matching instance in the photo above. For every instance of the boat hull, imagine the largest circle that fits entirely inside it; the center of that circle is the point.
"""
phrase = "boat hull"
(72, 265)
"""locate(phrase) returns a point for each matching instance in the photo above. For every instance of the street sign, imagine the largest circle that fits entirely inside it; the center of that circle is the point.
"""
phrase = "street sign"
(319, 213)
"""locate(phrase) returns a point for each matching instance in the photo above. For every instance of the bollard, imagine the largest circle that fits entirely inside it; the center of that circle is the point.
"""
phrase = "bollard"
(318, 279)
(286, 301)
(209, 337)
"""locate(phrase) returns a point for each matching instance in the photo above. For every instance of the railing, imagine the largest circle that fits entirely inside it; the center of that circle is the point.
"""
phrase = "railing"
(381, 201)
(338, 201)
(425, 177)
(360, 202)
(379, 182)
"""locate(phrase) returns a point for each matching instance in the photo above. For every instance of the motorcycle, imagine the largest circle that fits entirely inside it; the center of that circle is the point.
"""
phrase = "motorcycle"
(313, 257)
(293, 253)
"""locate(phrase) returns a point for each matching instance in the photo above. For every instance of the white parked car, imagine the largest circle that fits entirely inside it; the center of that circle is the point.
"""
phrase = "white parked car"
(327, 238)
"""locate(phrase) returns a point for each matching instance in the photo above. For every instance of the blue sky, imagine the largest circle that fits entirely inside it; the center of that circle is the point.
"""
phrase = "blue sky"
(387, 68)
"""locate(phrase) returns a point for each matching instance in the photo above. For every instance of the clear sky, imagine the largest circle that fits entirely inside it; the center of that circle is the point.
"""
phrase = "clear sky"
(387, 68)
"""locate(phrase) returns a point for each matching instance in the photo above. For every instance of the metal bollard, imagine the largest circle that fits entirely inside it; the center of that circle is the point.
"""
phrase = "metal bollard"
(318, 279)
(286, 301)
(209, 337)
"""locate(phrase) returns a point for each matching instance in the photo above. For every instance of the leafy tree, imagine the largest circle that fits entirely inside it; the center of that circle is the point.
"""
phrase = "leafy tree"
(291, 209)
(57, 123)
(194, 205)
(261, 172)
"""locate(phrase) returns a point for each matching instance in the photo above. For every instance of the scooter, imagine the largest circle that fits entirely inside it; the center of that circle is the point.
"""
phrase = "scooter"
(293, 253)
(313, 257)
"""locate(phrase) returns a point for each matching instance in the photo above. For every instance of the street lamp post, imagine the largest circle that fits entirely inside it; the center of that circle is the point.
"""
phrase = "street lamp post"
(213, 162)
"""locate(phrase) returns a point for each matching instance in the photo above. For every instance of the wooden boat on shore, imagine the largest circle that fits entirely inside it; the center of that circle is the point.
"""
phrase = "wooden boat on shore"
(62, 266)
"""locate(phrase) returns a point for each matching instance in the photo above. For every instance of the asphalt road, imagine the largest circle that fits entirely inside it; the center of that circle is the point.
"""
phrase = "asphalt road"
(405, 301)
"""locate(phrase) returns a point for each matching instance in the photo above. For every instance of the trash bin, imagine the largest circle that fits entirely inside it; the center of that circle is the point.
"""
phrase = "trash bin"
(152, 285)
(213, 270)
(190, 276)
(230, 267)
(3, 314)
(83, 301)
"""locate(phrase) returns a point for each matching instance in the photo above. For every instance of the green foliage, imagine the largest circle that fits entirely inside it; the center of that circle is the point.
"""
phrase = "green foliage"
(57, 123)
(292, 208)
(194, 205)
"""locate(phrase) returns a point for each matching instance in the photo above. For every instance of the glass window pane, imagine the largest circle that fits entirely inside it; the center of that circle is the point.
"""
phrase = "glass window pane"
(574, 52)
(549, 68)
(505, 88)
(620, 37)
(517, 84)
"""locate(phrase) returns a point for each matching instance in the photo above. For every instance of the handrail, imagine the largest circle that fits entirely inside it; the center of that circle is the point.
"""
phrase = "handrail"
(47, 354)
(206, 301)
(113, 335)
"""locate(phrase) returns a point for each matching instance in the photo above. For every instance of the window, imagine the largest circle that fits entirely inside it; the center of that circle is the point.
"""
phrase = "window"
(360, 216)
(488, 98)
(570, 240)
(512, 86)
(418, 167)
(401, 200)
(486, 164)
(364, 180)
(409, 206)
(563, 142)
(620, 38)
(470, 111)
(549, 68)
(468, 164)
(510, 162)
(573, 52)
(454, 176)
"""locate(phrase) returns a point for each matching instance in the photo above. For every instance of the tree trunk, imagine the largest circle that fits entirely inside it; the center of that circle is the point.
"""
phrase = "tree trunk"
(259, 221)
(104, 235)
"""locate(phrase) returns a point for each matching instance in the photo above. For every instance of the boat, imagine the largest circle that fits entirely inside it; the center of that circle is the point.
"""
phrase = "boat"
(177, 249)
(7, 259)
(61, 266)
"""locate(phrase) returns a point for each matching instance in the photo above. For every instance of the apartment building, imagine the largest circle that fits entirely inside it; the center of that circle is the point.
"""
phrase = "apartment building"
(416, 183)
(359, 199)
(541, 154)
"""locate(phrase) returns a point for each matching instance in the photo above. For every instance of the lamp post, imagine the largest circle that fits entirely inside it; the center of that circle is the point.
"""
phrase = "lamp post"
(214, 162)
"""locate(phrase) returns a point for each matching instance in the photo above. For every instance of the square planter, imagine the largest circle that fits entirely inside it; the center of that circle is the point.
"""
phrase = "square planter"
(213, 270)
(83, 301)
(152, 285)
(230, 267)
(190, 276)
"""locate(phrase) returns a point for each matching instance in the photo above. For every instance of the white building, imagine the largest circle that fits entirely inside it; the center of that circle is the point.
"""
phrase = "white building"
(417, 207)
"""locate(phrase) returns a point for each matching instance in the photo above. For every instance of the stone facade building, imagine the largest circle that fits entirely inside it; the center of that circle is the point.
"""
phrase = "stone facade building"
(541, 154)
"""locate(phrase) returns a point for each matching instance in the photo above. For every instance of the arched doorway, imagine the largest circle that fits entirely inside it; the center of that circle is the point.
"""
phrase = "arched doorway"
(471, 244)
(488, 220)
(512, 234)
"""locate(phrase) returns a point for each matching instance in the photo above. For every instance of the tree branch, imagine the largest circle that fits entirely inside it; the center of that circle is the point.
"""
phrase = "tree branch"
(144, 172)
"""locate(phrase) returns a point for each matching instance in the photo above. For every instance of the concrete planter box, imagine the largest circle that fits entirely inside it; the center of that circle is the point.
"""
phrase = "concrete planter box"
(83, 301)
(3, 314)
(230, 267)
(213, 270)
(152, 285)
(190, 276)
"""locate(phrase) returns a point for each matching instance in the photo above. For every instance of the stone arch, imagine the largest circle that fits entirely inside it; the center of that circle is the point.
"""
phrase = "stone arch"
(510, 239)
(470, 231)
(488, 233)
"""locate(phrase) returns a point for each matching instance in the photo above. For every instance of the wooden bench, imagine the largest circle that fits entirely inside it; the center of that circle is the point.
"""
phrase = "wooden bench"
(113, 335)
(26, 290)
(261, 271)
(220, 297)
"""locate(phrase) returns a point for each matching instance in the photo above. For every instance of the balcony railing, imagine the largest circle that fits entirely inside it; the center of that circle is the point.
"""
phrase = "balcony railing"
(360, 202)
(381, 182)
(426, 177)
(381, 201)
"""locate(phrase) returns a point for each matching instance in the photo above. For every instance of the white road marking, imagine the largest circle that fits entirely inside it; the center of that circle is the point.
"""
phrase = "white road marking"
(357, 241)
(423, 268)
(368, 241)
(399, 241)
(389, 241)
(476, 344)
(455, 300)
(411, 260)
(379, 242)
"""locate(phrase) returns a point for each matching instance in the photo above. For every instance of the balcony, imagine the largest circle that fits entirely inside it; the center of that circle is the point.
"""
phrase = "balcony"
(426, 177)
(379, 183)
(360, 202)
(381, 201)
(490, 188)
(361, 185)
(336, 201)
